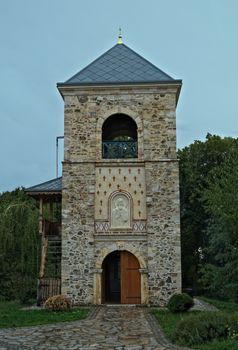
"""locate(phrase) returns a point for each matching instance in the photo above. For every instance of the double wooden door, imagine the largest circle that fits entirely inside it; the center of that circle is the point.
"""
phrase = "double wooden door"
(121, 279)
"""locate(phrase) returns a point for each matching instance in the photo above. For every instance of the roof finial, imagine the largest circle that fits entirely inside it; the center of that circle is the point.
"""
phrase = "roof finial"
(119, 41)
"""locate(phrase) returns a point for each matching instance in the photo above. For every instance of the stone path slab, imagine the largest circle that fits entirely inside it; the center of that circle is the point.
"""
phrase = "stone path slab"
(114, 328)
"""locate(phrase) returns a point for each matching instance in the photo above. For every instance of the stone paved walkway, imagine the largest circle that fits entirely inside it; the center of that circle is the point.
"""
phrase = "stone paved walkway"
(118, 328)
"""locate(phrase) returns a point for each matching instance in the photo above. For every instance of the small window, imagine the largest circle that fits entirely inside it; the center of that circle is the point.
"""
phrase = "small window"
(119, 137)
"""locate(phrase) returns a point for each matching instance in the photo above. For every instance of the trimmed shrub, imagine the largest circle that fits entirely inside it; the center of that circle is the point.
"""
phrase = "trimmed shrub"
(57, 303)
(205, 327)
(180, 303)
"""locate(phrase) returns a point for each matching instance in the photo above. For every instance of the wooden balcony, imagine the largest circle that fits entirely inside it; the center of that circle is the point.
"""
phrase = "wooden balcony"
(51, 228)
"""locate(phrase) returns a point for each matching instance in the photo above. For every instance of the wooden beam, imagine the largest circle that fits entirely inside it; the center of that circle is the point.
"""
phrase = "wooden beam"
(44, 248)
(44, 240)
(41, 216)
(51, 210)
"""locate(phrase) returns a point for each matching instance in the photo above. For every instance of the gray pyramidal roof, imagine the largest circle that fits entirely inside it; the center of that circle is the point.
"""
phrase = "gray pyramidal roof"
(120, 64)
(54, 185)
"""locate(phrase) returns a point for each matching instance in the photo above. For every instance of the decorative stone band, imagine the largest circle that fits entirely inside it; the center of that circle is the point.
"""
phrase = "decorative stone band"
(139, 226)
(104, 226)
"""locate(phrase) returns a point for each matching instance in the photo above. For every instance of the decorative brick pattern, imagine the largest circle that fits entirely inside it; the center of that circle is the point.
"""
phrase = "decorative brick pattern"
(110, 179)
(104, 227)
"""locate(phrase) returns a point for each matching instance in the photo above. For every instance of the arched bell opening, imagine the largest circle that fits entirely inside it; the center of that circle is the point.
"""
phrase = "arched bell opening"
(119, 137)
(121, 278)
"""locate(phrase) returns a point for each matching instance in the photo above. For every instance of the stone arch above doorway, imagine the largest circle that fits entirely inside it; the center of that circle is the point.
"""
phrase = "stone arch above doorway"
(120, 246)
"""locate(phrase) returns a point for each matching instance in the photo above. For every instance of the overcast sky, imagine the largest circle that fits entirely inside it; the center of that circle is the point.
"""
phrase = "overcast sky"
(47, 41)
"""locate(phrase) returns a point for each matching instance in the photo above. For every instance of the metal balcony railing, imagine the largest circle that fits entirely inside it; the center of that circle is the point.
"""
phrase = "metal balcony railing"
(119, 149)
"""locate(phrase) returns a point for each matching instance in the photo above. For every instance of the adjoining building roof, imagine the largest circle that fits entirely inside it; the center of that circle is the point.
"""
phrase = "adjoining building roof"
(120, 64)
(52, 186)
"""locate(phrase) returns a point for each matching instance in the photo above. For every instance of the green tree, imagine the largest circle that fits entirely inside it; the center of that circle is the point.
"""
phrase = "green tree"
(220, 272)
(19, 245)
(196, 163)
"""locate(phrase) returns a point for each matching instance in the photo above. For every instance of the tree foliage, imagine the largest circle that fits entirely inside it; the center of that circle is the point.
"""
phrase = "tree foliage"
(204, 169)
(19, 245)
(220, 272)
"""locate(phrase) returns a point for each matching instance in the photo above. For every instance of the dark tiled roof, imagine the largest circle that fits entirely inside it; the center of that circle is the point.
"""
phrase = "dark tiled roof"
(120, 64)
(54, 185)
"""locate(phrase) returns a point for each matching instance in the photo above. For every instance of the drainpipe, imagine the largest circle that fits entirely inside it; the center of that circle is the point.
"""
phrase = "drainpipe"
(57, 152)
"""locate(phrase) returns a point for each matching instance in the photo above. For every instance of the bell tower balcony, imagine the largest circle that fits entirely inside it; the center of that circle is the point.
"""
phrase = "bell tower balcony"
(119, 149)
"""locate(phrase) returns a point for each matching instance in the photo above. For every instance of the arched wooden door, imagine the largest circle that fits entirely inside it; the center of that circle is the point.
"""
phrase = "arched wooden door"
(130, 279)
(121, 279)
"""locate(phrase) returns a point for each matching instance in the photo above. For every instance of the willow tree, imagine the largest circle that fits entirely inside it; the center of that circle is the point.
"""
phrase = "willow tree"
(19, 245)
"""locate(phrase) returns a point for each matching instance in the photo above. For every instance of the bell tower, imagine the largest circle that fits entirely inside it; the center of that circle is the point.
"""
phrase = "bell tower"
(120, 182)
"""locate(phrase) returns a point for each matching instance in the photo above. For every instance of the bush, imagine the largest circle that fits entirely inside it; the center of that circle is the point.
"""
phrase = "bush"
(205, 327)
(57, 303)
(180, 302)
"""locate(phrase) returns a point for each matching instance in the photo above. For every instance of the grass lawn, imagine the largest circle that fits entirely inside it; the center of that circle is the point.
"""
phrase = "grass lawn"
(168, 322)
(11, 315)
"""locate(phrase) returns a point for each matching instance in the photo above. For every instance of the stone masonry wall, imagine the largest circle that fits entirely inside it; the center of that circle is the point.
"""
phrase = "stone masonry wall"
(86, 110)
(153, 109)
(77, 232)
(163, 228)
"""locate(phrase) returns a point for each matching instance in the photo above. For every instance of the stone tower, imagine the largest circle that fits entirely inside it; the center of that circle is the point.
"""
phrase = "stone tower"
(120, 182)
